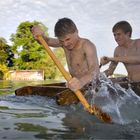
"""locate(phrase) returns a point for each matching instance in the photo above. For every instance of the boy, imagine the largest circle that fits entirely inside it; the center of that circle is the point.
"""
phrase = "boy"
(127, 52)
(80, 53)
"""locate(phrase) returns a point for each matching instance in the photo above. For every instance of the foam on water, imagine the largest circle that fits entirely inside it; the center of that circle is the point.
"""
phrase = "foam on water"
(122, 104)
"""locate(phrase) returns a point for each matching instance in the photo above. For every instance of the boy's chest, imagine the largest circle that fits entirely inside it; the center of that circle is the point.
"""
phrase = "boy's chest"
(76, 58)
(129, 51)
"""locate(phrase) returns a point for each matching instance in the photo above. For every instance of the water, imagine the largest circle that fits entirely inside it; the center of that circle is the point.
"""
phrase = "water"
(40, 118)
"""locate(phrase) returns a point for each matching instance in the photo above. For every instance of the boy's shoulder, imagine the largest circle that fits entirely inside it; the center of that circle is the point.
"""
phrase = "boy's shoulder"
(87, 42)
(137, 40)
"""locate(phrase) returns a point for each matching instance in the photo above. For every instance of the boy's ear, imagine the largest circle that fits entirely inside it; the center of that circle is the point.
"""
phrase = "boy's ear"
(128, 33)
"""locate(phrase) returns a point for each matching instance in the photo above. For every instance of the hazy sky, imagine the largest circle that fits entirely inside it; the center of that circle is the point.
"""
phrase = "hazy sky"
(94, 18)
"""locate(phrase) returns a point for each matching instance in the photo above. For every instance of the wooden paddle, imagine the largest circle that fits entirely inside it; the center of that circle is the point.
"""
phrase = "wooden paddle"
(93, 110)
(100, 65)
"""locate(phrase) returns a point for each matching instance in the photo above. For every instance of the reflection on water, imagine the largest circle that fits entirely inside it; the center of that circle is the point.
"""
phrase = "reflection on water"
(36, 117)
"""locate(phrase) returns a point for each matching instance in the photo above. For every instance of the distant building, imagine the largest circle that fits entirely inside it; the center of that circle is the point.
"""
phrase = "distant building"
(26, 75)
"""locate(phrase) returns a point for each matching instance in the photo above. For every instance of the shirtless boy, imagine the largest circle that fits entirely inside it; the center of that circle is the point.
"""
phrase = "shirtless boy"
(80, 53)
(127, 52)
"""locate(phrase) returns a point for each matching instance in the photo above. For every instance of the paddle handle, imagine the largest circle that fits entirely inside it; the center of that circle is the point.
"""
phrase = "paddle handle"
(65, 74)
(100, 65)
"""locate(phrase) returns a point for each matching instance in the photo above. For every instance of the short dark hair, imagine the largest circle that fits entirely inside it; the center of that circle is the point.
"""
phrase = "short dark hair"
(124, 26)
(64, 26)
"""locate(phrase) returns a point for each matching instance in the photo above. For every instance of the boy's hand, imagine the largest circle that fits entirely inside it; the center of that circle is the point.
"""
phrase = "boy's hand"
(104, 60)
(36, 30)
(74, 84)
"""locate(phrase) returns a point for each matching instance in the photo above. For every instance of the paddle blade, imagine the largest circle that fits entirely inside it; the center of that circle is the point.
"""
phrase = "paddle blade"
(101, 115)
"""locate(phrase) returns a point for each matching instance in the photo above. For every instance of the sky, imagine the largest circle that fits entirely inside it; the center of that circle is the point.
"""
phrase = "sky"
(94, 19)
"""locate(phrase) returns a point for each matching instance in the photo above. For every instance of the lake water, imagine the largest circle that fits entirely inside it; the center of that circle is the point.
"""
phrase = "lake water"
(40, 118)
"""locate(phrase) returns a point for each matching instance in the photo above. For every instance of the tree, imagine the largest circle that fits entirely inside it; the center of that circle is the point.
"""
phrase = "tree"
(29, 53)
(6, 53)
(3, 52)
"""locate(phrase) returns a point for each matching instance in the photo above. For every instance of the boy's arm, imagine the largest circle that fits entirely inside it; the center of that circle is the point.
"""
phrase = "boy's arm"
(111, 69)
(104, 60)
(93, 64)
(128, 59)
(53, 42)
(125, 59)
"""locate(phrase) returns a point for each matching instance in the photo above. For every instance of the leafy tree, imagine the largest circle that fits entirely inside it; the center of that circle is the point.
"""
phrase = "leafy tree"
(29, 54)
(6, 53)
(3, 52)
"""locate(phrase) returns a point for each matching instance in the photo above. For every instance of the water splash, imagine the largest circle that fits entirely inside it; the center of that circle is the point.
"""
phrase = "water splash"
(122, 104)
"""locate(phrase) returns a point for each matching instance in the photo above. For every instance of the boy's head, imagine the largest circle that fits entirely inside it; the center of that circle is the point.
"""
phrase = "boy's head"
(124, 26)
(64, 26)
